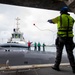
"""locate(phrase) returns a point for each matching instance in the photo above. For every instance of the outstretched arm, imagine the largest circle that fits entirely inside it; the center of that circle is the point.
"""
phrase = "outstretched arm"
(54, 20)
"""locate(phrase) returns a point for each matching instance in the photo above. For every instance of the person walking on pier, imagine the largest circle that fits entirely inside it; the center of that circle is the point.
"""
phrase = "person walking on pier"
(64, 37)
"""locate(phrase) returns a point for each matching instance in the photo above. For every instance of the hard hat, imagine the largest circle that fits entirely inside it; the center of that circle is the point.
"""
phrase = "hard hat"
(64, 9)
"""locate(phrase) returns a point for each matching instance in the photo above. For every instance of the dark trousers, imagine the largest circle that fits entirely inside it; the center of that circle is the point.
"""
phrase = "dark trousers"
(43, 48)
(69, 45)
(35, 48)
(38, 48)
(28, 47)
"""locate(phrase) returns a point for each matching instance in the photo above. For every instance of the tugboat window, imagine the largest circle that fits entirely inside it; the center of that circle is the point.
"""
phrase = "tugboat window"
(19, 35)
(12, 35)
(16, 36)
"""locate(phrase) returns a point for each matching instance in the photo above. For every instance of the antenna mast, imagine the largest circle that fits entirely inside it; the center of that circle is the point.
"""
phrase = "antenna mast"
(17, 19)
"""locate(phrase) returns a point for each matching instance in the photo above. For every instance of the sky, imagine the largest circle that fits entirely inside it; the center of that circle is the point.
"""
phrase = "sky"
(29, 16)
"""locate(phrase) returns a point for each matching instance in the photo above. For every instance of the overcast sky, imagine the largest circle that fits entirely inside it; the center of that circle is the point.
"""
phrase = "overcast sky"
(28, 16)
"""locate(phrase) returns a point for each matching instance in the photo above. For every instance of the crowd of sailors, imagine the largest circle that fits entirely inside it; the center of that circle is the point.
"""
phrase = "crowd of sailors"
(37, 46)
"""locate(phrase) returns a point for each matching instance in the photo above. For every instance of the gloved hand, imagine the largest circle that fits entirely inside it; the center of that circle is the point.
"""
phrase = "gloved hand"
(50, 21)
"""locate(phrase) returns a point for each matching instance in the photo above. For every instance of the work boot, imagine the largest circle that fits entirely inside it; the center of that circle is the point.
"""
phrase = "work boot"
(56, 68)
(74, 71)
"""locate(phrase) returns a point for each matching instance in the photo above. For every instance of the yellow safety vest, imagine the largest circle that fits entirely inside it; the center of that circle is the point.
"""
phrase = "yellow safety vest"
(65, 25)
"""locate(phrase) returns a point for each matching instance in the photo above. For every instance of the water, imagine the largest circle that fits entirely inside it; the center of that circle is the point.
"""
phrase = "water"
(47, 49)
(53, 49)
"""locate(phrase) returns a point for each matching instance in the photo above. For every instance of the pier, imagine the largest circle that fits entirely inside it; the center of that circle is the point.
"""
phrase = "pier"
(39, 69)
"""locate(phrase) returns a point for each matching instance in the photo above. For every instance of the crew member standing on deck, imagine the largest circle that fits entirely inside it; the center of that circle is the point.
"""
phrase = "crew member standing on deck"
(35, 46)
(29, 45)
(64, 37)
(39, 46)
(43, 47)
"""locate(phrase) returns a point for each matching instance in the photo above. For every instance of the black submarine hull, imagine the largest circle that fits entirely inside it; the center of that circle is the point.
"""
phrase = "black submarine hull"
(25, 57)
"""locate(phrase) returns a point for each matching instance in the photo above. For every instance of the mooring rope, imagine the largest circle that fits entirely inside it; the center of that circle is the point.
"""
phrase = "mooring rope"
(43, 29)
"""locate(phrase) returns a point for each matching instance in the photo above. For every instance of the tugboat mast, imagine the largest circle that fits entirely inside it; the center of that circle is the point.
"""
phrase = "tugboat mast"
(17, 19)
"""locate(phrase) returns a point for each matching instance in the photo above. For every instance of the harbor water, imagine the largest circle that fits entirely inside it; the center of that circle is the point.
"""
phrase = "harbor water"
(53, 49)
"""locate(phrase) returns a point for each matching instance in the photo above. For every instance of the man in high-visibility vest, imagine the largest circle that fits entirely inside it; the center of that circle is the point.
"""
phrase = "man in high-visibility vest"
(64, 37)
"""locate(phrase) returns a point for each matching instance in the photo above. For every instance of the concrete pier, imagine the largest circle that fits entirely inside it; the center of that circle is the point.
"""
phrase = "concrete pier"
(65, 70)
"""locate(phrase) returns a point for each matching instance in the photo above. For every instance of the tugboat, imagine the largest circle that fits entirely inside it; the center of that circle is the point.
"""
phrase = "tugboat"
(17, 39)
